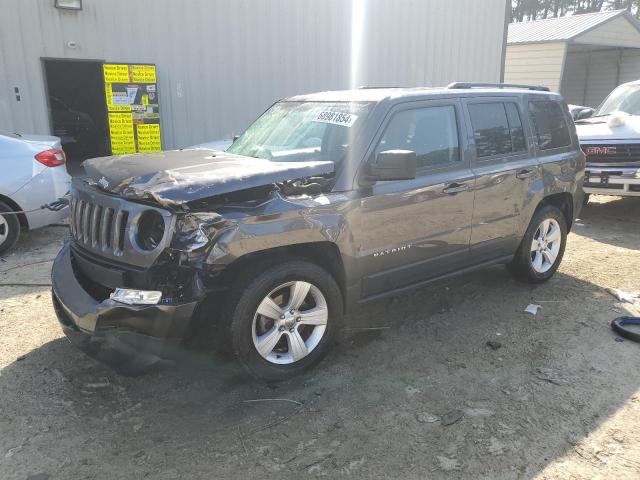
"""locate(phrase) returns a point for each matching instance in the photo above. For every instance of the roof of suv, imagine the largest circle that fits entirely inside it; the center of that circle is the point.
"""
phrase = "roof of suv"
(391, 93)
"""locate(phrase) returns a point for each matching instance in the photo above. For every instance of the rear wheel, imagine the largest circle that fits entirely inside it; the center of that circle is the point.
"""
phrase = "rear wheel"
(542, 247)
(284, 321)
(9, 228)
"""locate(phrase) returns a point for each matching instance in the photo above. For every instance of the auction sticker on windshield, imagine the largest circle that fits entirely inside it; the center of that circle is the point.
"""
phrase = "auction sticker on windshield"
(336, 118)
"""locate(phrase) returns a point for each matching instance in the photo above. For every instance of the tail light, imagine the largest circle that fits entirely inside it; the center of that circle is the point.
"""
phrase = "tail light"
(51, 158)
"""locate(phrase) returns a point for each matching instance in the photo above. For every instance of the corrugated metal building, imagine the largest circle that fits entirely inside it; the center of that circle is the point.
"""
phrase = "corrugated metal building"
(584, 57)
(221, 62)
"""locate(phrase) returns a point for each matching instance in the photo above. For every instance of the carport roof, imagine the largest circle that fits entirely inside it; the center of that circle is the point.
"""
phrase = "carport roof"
(563, 28)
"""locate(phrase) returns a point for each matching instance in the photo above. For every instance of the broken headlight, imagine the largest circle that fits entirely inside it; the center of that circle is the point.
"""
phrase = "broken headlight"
(149, 230)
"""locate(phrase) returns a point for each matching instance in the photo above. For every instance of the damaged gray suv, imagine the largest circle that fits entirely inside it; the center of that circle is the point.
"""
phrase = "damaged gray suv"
(327, 201)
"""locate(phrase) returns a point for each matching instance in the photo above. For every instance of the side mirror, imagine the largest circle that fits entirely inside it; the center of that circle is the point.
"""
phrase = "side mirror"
(585, 113)
(394, 165)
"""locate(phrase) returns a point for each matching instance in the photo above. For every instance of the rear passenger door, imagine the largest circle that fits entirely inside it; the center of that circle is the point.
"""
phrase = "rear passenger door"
(412, 230)
(506, 170)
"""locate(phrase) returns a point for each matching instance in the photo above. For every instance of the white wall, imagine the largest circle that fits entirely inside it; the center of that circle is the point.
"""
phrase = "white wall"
(220, 62)
(590, 88)
(630, 70)
(589, 82)
(535, 64)
(618, 32)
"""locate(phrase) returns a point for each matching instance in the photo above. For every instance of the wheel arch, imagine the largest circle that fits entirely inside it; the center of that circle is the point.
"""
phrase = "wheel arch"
(325, 254)
(564, 202)
(22, 218)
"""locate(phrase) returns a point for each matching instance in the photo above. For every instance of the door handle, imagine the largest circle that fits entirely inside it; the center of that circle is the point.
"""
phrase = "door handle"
(454, 188)
(525, 173)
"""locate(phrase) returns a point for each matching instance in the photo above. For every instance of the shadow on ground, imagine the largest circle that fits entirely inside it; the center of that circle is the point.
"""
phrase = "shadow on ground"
(424, 397)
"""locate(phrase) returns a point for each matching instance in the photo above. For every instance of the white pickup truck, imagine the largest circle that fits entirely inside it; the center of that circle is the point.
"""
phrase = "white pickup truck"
(610, 139)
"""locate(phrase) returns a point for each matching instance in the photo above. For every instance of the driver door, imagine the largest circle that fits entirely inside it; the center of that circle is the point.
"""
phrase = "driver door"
(418, 229)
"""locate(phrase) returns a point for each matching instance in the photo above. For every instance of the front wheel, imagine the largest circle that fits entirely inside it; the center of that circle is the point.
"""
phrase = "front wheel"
(542, 246)
(283, 322)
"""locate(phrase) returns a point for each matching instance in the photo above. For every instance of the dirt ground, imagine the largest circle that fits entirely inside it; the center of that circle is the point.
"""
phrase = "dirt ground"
(422, 397)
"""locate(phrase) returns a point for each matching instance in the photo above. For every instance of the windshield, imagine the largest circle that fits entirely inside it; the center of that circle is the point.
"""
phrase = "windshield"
(625, 98)
(302, 131)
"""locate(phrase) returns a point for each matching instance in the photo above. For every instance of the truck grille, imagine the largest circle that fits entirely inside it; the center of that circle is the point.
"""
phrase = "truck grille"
(98, 227)
(620, 154)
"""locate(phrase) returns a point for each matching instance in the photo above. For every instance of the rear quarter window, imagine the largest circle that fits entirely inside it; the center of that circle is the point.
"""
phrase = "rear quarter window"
(550, 125)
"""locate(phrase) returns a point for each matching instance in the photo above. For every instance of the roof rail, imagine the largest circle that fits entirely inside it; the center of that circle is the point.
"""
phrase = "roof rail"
(458, 85)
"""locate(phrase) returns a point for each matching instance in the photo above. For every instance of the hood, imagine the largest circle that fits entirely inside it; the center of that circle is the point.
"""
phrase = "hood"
(181, 176)
(617, 126)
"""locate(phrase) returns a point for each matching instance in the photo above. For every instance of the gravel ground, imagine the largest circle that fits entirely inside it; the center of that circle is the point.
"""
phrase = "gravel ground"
(424, 396)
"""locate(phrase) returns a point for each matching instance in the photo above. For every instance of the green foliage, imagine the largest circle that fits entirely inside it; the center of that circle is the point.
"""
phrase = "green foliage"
(525, 10)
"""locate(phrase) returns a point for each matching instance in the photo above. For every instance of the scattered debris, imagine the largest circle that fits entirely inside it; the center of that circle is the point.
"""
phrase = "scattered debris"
(411, 390)
(619, 326)
(578, 224)
(448, 464)
(20, 358)
(549, 375)
(623, 296)
(619, 339)
(15, 267)
(494, 345)
(426, 418)
(272, 400)
(532, 308)
(452, 417)
(97, 385)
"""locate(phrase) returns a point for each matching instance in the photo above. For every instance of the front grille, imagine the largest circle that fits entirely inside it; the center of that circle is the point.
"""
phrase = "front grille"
(105, 226)
(626, 154)
(98, 227)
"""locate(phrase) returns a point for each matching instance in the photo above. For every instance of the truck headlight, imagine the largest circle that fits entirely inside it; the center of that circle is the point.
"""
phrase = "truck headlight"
(149, 230)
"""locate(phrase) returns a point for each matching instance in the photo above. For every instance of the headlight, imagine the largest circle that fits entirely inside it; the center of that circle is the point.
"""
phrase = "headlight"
(149, 230)
(136, 297)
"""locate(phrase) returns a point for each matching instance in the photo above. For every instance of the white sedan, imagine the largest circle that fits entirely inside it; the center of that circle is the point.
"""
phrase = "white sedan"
(33, 174)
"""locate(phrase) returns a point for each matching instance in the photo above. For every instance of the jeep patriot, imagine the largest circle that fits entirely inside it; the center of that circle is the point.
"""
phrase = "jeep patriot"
(326, 201)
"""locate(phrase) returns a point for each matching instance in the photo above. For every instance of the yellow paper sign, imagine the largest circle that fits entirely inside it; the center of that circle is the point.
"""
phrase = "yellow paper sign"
(115, 73)
(149, 137)
(143, 73)
(121, 132)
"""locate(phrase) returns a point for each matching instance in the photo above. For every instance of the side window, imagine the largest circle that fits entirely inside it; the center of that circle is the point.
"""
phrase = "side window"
(550, 125)
(431, 132)
(497, 128)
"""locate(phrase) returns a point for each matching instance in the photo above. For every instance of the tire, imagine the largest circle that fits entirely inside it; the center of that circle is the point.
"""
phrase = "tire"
(248, 328)
(9, 228)
(535, 266)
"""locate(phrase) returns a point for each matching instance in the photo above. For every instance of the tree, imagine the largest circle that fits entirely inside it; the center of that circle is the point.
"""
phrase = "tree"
(525, 10)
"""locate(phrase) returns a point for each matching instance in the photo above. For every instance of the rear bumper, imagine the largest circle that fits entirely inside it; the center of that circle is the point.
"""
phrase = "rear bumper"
(612, 181)
(126, 337)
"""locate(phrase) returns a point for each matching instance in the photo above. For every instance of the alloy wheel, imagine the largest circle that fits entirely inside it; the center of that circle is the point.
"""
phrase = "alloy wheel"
(546, 245)
(290, 322)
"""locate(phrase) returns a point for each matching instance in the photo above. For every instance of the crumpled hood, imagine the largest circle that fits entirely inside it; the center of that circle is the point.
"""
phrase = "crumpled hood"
(181, 176)
(610, 127)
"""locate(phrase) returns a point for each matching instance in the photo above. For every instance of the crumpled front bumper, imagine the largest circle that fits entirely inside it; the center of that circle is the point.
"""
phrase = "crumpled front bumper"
(612, 180)
(129, 338)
